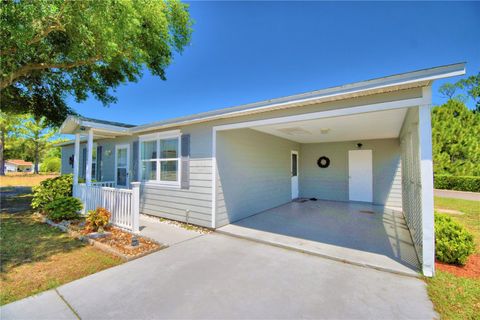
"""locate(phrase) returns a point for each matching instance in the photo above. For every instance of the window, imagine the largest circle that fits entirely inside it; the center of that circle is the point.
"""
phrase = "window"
(160, 158)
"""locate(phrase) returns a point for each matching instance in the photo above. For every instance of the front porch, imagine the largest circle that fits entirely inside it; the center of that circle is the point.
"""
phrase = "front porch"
(101, 172)
(356, 233)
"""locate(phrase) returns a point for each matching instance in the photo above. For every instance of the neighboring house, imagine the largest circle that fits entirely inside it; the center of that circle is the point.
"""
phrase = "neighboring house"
(368, 141)
(18, 165)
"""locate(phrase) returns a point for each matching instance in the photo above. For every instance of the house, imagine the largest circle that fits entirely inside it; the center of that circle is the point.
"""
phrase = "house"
(18, 165)
(362, 143)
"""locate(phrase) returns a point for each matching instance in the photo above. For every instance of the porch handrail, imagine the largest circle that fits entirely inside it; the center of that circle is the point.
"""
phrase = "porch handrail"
(123, 204)
(110, 184)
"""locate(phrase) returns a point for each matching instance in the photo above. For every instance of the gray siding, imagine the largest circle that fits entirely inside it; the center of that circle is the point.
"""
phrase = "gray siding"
(332, 183)
(253, 173)
(268, 173)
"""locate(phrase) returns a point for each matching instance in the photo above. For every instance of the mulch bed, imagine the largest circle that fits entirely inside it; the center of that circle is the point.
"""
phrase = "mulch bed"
(114, 241)
(121, 241)
(470, 270)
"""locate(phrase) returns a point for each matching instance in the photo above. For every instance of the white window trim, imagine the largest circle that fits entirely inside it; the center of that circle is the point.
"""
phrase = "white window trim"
(157, 137)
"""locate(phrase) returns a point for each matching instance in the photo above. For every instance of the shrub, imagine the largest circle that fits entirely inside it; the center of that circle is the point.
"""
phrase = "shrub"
(460, 183)
(98, 219)
(453, 244)
(51, 165)
(51, 189)
(63, 208)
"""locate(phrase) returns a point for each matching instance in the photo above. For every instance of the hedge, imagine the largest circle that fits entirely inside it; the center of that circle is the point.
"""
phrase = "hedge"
(460, 183)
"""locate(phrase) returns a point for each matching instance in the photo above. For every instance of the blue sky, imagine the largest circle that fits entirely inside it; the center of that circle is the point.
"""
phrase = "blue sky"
(244, 52)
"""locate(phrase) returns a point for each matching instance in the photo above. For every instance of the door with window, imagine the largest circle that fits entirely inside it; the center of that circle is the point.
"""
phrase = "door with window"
(294, 171)
(122, 160)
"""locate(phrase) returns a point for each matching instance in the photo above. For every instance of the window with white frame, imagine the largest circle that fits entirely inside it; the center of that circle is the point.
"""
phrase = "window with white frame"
(160, 158)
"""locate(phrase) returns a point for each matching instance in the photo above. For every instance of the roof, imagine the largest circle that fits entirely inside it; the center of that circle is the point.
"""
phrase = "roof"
(413, 79)
(112, 123)
(19, 162)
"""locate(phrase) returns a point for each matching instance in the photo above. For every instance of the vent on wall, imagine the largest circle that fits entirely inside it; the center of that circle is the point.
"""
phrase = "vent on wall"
(294, 131)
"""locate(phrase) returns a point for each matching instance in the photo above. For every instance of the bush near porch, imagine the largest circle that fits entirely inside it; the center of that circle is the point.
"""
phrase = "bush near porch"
(459, 183)
(453, 244)
(51, 189)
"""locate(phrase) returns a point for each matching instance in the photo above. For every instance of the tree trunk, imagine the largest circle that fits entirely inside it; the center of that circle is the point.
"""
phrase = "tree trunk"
(2, 160)
(35, 168)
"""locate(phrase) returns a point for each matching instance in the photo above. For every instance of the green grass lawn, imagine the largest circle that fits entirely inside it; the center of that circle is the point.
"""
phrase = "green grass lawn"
(36, 257)
(457, 297)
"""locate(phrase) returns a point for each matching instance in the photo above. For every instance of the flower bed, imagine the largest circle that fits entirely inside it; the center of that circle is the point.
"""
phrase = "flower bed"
(120, 243)
(113, 240)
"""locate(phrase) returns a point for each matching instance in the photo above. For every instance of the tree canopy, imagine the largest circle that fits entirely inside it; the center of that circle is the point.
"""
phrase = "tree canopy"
(54, 48)
(455, 137)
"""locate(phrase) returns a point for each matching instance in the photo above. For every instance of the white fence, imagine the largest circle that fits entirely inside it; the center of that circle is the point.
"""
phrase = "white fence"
(124, 204)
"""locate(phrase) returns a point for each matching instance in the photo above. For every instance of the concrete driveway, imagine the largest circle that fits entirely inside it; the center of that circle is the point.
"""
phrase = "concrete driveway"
(218, 276)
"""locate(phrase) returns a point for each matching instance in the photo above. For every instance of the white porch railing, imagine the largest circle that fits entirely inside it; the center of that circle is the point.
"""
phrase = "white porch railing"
(110, 184)
(124, 204)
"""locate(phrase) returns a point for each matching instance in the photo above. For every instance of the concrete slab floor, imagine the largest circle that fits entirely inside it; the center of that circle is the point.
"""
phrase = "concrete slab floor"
(356, 233)
(222, 277)
(164, 232)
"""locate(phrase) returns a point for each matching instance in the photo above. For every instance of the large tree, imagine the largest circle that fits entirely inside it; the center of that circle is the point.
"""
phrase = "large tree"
(53, 48)
(456, 143)
(8, 126)
(36, 137)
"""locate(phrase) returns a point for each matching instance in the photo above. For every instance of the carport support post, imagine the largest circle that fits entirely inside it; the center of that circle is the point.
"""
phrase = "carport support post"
(426, 173)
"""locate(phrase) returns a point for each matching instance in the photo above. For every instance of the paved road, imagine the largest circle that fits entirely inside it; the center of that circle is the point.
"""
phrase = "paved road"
(217, 276)
(475, 196)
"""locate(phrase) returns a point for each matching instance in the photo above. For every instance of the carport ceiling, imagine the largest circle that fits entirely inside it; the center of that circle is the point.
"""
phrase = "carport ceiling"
(364, 126)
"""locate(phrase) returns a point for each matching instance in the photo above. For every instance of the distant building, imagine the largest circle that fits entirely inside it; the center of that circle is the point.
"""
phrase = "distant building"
(18, 165)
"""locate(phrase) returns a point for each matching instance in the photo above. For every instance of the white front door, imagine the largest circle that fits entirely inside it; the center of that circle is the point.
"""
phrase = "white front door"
(294, 171)
(360, 175)
(122, 160)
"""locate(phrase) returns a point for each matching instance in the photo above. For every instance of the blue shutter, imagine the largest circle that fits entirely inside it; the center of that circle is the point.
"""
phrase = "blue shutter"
(99, 164)
(136, 161)
(84, 163)
(185, 182)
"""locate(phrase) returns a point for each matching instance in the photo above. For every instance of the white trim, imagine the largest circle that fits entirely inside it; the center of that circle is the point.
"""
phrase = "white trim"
(127, 167)
(426, 175)
(398, 104)
(214, 177)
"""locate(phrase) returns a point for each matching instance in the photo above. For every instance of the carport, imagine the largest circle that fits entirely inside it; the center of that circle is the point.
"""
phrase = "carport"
(351, 181)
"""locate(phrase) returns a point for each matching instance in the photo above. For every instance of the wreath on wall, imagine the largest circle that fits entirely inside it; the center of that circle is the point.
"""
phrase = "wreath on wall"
(323, 162)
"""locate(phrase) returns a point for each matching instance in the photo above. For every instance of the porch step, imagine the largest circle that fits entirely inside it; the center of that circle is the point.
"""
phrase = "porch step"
(340, 254)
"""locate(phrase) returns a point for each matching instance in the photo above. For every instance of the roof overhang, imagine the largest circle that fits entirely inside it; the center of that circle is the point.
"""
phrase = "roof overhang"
(415, 79)
(403, 81)
(74, 124)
